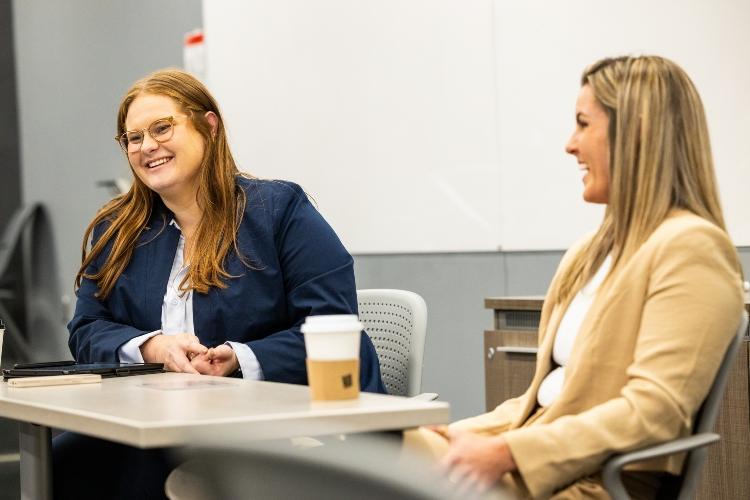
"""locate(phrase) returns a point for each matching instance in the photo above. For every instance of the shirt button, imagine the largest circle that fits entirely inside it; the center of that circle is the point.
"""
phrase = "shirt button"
(175, 302)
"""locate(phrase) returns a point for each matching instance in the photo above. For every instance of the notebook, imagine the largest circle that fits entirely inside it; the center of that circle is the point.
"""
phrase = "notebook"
(73, 368)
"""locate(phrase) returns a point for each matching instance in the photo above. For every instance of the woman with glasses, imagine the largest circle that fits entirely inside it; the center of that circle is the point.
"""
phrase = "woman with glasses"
(638, 316)
(198, 266)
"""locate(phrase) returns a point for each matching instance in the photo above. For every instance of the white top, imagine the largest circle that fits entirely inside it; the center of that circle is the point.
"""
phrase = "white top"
(567, 333)
(177, 317)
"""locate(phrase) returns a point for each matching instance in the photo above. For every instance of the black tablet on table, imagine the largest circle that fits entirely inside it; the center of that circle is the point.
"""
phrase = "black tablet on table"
(73, 368)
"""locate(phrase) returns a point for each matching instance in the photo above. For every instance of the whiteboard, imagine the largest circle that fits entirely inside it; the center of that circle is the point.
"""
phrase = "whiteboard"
(439, 125)
(542, 48)
(382, 110)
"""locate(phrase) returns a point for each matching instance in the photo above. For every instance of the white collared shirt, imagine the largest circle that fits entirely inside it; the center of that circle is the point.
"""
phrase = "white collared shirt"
(177, 317)
(567, 332)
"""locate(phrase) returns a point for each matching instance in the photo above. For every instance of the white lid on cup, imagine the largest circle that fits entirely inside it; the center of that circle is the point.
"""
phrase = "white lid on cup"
(332, 337)
(332, 323)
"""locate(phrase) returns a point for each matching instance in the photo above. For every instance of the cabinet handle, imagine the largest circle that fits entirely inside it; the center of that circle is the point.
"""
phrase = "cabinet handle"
(516, 350)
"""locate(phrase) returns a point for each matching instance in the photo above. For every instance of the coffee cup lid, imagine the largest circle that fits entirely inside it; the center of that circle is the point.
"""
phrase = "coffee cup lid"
(331, 323)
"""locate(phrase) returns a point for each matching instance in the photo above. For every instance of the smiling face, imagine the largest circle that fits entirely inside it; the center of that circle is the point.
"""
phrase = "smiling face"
(170, 168)
(590, 145)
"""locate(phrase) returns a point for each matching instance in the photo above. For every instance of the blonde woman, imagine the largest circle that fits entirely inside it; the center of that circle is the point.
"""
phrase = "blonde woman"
(637, 317)
(199, 267)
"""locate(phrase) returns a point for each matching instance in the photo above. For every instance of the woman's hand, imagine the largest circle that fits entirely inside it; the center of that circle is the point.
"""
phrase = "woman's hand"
(475, 461)
(175, 351)
(219, 361)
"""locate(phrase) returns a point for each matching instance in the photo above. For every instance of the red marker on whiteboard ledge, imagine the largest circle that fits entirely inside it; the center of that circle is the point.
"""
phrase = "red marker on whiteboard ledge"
(194, 54)
(2, 333)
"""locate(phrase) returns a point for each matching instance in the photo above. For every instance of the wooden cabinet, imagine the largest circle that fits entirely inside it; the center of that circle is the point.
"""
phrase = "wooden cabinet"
(510, 357)
(726, 474)
(510, 349)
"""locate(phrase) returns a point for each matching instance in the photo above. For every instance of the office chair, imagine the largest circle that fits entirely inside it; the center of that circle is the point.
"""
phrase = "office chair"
(684, 485)
(368, 468)
(30, 300)
(31, 308)
(396, 321)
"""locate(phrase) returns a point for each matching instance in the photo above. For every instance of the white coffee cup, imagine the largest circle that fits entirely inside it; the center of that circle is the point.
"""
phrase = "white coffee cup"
(332, 345)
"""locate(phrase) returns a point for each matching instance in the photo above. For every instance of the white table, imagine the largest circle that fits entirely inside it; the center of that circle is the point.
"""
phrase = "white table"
(167, 409)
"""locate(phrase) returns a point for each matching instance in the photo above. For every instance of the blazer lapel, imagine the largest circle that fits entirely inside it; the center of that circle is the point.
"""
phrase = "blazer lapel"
(161, 244)
(203, 306)
(590, 331)
(548, 329)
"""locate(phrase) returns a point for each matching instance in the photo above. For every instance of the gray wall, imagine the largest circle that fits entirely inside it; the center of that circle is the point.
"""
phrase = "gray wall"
(454, 287)
(74, 61)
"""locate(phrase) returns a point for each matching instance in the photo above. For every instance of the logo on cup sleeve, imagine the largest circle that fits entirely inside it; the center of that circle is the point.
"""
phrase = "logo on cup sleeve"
(346, 380)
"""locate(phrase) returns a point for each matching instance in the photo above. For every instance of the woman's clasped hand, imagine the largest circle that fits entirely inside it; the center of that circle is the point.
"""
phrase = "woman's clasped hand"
(183, 352)
(474, 461)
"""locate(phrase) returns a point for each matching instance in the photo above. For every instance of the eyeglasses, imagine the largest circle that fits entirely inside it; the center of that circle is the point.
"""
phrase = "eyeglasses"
(160, 130)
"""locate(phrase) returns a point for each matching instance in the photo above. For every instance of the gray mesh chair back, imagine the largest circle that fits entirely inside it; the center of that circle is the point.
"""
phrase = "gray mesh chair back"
(695, 446)
(396, 321)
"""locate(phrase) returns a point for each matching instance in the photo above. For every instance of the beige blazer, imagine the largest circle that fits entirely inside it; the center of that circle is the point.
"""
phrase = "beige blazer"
(642, 362)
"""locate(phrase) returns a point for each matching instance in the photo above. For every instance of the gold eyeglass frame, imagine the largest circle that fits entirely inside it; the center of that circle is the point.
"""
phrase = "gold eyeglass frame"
(147, 130)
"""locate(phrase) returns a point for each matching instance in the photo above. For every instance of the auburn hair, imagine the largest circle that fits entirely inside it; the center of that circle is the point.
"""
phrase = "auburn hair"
(660, 159)
(219, 197)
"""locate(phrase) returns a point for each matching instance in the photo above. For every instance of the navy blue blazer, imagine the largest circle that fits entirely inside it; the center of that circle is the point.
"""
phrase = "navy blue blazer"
(300, 268)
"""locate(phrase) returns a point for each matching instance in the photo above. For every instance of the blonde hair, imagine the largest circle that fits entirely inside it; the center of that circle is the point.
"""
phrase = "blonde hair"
(660, 159)
(221, 200)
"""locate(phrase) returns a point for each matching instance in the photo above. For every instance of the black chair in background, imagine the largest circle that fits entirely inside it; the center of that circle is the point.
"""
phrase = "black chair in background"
(31, 307)
(30, 298)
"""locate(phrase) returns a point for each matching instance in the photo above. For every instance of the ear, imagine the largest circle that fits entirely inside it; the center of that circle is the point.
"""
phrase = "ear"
(213, 121)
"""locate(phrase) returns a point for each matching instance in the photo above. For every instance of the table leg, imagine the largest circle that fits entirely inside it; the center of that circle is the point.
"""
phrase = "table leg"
(36, 461)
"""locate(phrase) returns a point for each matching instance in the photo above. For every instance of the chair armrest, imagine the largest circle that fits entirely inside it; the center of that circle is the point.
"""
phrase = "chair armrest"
(426, 396)
(613, 467)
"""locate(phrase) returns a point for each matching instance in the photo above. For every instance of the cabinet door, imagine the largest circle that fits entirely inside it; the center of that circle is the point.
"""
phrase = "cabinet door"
(510, 358)
(725, 474)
